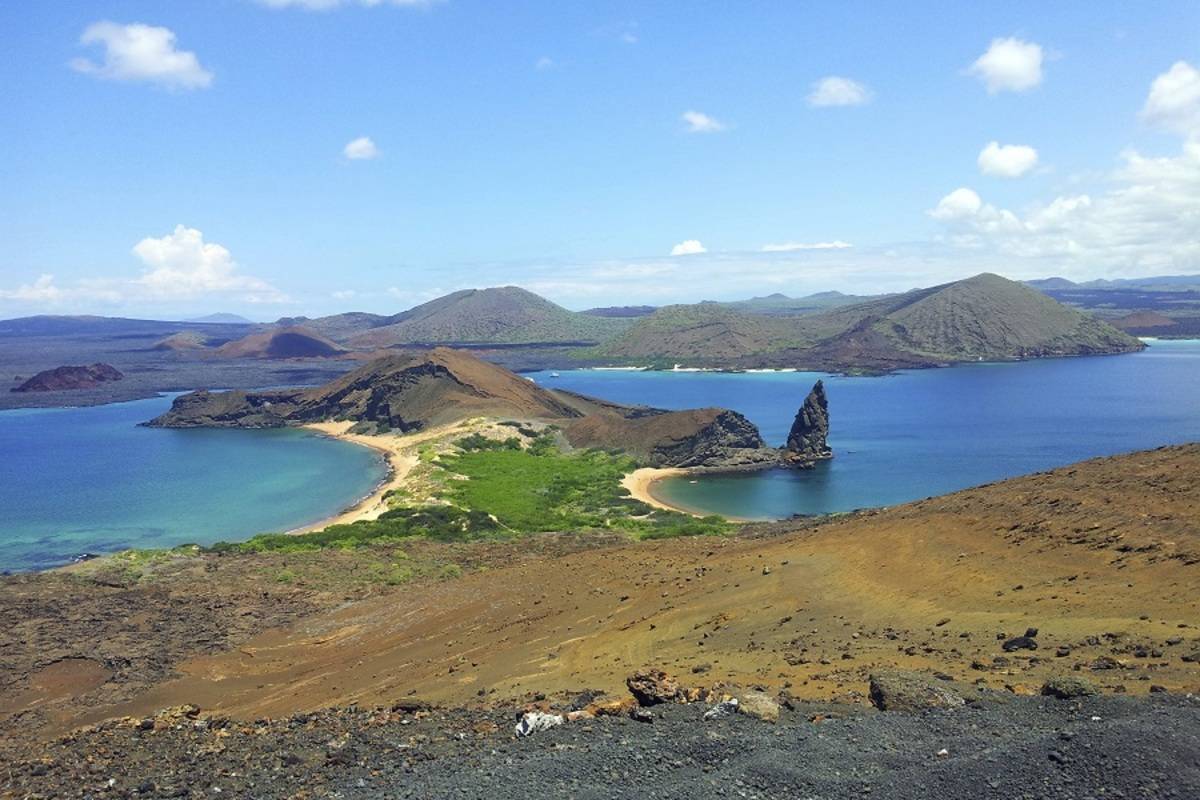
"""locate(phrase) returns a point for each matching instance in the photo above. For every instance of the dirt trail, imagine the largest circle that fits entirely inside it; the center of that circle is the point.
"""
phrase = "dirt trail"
(1103, 558)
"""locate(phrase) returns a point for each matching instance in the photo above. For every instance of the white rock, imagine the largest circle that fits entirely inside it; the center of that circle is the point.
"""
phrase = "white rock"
(535, 721)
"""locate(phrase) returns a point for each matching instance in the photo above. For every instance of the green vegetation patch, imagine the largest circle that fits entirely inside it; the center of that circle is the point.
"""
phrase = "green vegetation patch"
(504, 490)
(440, 523)
(541, 489)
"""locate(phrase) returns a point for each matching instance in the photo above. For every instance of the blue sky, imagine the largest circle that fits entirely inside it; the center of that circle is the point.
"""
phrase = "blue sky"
(199, 162)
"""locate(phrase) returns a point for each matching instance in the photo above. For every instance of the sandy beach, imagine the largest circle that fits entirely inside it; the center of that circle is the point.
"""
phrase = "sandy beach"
(401, 458)
(639, 482)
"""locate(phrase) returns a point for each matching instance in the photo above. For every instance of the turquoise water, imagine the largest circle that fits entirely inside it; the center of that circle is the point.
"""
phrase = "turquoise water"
(76, 480)
(926, 432)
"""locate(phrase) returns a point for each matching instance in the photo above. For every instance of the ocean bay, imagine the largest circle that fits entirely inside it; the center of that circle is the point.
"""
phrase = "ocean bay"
(919, 433)
(90, 480)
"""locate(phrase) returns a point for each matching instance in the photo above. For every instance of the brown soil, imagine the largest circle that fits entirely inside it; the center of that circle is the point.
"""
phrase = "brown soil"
(1102, 557)
(135, 621)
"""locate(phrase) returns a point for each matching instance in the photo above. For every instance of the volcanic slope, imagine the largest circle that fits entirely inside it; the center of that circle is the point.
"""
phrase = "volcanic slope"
(1102, 558)
(418, 391)
(293, 342)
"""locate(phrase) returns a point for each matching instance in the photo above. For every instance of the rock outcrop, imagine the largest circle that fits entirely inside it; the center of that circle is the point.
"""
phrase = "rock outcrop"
(70, 377)
(807, 441)
(705, 437)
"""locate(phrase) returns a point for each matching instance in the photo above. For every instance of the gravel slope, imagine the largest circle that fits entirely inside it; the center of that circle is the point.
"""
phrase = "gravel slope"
(1106, 747)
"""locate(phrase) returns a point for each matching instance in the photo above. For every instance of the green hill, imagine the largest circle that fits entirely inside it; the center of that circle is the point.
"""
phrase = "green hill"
(505, 315)
(986, 317)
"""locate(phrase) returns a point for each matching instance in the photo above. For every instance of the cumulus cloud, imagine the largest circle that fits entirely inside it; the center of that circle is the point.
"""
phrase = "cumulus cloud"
(42, 290)
(182, 264)
(1146, 221)
(958, 204)
(791, 247)
(698, 122)
(1009, 65)
(326, 5)
(688, 247)
(1007, 160)
(544, 63)
(141, 53)
(178, 266)
(837, 91)
(360, 149)
(1174, 101)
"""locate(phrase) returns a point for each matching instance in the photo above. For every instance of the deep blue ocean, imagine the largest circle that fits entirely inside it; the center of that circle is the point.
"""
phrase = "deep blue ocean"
(915, 434)
(76, 480)
(90, 480)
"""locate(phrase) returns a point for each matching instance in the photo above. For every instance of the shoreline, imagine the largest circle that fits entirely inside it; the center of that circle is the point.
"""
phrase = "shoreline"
(641, 482)
(370, 507)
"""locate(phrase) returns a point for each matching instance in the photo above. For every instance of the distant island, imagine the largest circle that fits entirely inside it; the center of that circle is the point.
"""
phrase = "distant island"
(70, 378)
(982, 318)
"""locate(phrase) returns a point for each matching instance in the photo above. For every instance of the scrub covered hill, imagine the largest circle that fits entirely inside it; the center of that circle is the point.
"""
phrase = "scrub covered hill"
(986, 317)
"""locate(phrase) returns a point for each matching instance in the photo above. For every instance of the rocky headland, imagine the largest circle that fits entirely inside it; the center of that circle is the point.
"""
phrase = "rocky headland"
(418, 391)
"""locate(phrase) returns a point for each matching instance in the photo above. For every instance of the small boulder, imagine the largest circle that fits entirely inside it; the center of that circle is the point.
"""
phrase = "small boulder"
(759, 705)
(653, 686)
(1066, 688)
(611, 708)
(1020, 643)
(896, 690)
(535, 721)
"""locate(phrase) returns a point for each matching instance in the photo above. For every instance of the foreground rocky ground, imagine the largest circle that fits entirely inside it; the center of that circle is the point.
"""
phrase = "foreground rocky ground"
(996, 747)
(1090, 572)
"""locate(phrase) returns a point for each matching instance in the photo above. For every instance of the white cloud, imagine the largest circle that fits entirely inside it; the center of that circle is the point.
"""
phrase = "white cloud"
(1010, 65)
(1146, 221)
(698, 122)
(837, 91)
(1174, 101)
(688, 247)
(42, 290)
(182, 264)
(1008, 160)
(958, 204)
(361, 149)
(326, 5)
(544, 63)
(141, 53)
(178, 266)
(791, 247)
(343, 294)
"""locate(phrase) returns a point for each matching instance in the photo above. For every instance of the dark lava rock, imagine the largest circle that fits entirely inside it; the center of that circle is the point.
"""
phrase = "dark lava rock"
(70, 377)
(806, 442)
(1020, 643)
(1066, 688)
(896, 690)
(1105, 663)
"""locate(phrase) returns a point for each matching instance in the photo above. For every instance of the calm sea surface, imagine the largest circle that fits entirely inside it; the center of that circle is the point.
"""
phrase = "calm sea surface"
(926, 432)
(90, 480)
(77, 480)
